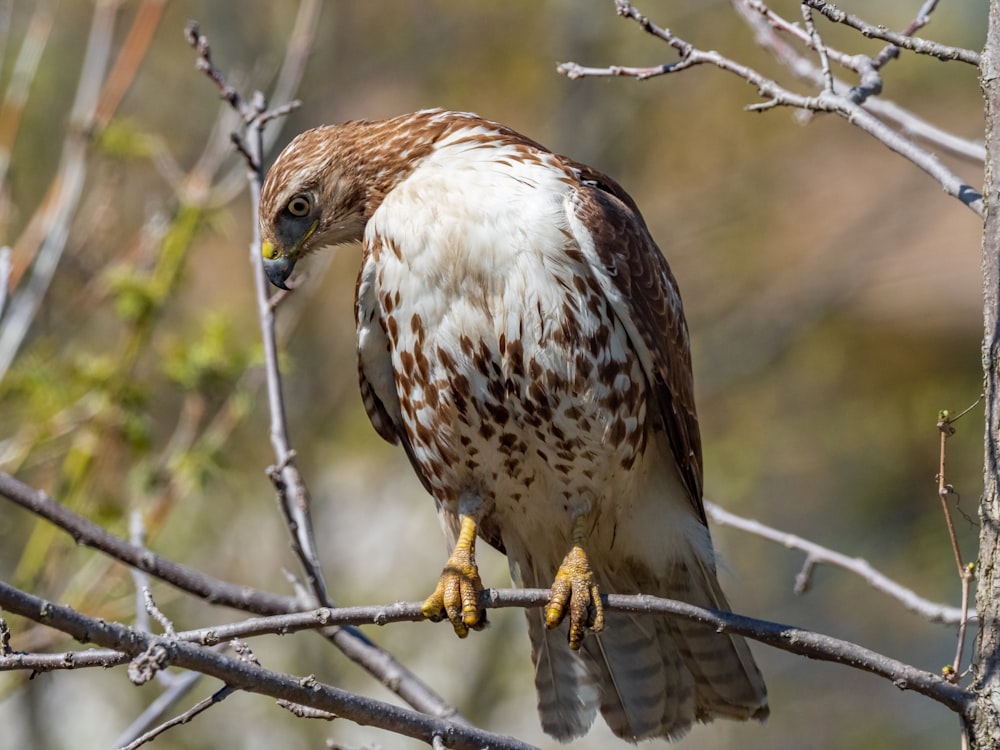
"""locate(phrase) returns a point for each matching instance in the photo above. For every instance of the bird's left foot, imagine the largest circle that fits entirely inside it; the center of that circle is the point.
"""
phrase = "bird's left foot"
(575, 591)
(457, 593)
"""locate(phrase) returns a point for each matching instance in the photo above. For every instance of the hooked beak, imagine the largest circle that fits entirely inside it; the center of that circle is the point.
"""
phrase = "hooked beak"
(277, 267)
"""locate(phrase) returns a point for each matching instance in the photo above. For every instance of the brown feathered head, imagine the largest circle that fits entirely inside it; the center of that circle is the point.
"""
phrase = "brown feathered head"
(325, 185)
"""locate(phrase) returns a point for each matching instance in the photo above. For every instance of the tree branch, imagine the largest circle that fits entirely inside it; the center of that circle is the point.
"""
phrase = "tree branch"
(914, 44)
(776, 95)
(157, 652)
(90, 534)
(784, 637)
(354, 645)
(816, 553)
(765, 22)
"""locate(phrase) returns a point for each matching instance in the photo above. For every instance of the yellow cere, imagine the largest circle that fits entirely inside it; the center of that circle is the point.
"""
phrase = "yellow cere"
(267, 250)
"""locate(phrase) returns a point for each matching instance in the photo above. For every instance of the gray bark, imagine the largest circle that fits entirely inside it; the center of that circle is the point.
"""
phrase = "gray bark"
(984, 726)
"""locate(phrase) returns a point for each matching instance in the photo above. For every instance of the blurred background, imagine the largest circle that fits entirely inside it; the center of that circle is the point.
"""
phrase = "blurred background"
(832, 291)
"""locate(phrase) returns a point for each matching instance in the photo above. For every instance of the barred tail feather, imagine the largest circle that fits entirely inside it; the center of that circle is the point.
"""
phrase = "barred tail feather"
(728, 682)
(568, 696)
(638, 683)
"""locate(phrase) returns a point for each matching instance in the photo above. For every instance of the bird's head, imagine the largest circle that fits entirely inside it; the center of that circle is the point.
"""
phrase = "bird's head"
(312, 197)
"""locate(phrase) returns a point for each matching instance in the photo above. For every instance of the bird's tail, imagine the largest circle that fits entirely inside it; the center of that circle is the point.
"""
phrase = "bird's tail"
(727, 682)
(649, 676)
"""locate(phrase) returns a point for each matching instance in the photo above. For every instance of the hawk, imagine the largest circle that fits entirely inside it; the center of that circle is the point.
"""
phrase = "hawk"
(521, 336)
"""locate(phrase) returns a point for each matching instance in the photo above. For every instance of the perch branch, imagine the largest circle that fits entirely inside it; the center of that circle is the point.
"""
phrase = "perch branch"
(784, 637)
(244, 675)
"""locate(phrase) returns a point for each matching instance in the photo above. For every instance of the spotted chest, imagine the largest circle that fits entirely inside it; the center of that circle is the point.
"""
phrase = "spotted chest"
(503, 363)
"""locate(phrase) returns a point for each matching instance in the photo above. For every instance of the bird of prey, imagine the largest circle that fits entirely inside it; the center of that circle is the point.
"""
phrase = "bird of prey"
(522, 338)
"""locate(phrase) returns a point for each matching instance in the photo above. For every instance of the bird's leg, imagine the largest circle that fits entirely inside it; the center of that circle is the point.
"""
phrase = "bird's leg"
(575, 586)
(458, 589)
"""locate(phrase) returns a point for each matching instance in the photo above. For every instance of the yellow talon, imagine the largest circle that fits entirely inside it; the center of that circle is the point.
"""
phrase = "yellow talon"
(575, 586)
(457, 593)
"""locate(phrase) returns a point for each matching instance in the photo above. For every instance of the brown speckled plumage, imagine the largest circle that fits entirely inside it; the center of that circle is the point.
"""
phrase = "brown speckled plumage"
(522, 337)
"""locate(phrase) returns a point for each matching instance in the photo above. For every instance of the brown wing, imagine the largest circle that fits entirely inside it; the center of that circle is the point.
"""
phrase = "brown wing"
(644, 294)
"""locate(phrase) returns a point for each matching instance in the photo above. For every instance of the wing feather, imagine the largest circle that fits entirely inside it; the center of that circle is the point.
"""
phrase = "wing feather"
(643, 292)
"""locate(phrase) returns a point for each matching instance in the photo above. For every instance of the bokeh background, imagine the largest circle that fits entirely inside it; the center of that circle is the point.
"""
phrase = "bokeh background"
(832, 291)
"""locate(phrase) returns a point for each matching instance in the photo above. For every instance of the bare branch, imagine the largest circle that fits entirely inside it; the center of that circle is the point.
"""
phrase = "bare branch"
(324, 617)
(178, 689)
(154, 611)
(776, 95)
(355, 646)
(187, 579)
(242, 675)
(817, 44)
(891, 51)
(785, 637)
(920, 46)
(764, 21)
(292, 492)
(966, 573)
(203, 705)
(14, 661)
(818, 554)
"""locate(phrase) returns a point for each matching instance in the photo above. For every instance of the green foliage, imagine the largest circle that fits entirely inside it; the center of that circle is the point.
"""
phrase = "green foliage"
(133, 293)
(213, 360)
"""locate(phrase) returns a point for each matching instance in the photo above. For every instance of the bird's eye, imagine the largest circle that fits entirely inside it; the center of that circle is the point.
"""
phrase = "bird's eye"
(300, 205)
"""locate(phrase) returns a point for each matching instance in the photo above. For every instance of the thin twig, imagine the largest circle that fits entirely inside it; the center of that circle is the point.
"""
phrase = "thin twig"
(966, 573)
(946, 430)
(178, 689)
(203, 705)
(291, 489)
(967, 577)
(103, 658)
(920, 46)
(891, 51)
(817, 44)
(187, 579)
(817, 553)
(775, 95)
(765, 21)
(140, 579)
(154, 611)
